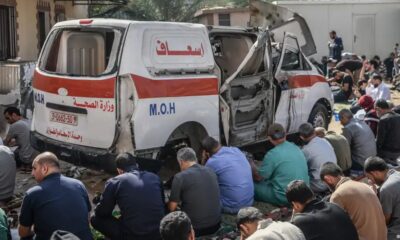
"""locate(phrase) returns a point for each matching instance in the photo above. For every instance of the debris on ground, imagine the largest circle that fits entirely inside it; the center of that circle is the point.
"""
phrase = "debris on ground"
(75, 172)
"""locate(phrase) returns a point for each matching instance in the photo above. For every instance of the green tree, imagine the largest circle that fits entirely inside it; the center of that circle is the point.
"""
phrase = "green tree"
(161, 10)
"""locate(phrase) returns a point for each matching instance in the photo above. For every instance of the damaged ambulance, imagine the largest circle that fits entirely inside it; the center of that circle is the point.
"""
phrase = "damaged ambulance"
(103, 86)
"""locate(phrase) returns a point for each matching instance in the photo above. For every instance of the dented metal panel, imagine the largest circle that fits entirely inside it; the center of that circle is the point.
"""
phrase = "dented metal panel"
(279, 20)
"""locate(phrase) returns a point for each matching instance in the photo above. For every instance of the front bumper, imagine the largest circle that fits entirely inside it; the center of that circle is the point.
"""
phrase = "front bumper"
(94, 158)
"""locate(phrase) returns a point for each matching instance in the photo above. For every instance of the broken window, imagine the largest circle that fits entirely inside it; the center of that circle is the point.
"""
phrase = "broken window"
(81, 52)
(291, 58)
(7, 33)
(291, 61)
(306, 65)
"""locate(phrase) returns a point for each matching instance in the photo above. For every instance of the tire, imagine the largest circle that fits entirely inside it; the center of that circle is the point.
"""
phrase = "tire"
(319, 116)
(191, 136)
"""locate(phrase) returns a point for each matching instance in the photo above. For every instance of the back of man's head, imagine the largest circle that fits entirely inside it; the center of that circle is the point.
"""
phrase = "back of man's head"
(375, 164)
(345, 113)
(49, 159)
(276, 131)
(336, 73)
(125, 161)
(210, 145)
(377, 58)
(374, 63)
(11, 110)
(186, 154)
(248, 215)
(176, 226)
(306, 130)
(330, 169)
(377, 77)
(382, 104)
(298, 191)
(320, 131)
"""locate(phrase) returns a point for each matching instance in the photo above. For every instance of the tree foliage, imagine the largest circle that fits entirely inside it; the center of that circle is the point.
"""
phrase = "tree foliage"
(161, 10)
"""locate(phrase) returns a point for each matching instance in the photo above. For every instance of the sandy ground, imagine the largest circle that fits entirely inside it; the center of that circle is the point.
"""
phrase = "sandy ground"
(335, 125)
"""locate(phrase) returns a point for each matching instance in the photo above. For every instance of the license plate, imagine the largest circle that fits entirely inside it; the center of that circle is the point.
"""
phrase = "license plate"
(64, 118)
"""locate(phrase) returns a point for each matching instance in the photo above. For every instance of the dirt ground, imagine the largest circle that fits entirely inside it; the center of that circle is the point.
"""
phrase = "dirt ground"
(335, 125)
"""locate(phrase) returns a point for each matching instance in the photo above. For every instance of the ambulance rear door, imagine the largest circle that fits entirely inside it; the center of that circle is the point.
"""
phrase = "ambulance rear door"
(75, 85)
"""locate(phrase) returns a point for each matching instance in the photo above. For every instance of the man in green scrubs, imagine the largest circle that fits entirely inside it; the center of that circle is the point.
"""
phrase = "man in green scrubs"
(4, 230)
(281, 165)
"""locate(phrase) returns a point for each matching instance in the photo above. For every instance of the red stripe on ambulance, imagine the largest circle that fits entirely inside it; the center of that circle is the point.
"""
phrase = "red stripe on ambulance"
(149, 88)
(75, 87)
(303, 81)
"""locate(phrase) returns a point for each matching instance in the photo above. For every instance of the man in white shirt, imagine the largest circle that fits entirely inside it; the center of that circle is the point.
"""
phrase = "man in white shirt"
(252, 226)
(377, 89)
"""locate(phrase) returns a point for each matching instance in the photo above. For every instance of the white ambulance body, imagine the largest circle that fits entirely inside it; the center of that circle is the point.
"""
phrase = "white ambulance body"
(104, 86)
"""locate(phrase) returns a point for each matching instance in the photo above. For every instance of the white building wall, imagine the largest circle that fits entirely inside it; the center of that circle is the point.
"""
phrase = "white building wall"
(324, 16)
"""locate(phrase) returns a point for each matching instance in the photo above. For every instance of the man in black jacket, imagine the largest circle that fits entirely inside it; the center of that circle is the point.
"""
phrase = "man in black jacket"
(318, 220)
(388, 134)
(139, 196)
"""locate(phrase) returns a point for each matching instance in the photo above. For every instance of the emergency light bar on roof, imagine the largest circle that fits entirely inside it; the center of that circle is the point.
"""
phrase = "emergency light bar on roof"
(96, 2)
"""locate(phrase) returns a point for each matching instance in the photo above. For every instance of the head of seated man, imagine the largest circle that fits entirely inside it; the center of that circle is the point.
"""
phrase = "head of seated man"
(376, 80)
(276, 134)
(307, 132)
(299, 195)
(376, 170)
(176, 226)
(252, 225)
(320, 132)
(125, 162)
(247, 221)
(210, 147)
(382, 107)
(331, 174)
(345, 116)
(44, 165)
(12, 115)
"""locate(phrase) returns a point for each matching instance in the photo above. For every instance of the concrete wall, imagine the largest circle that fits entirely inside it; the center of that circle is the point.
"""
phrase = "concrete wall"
(240, 19)
(27, 30)
(237, 19)
(27, 24)
(203, 20)
(338, 15)
(75, 12)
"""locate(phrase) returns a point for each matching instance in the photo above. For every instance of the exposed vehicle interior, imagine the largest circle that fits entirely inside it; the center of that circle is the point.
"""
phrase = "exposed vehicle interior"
(81, 52)
(250, 95)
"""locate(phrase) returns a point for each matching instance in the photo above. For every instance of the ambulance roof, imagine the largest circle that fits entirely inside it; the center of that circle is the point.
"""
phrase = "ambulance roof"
(120, 23)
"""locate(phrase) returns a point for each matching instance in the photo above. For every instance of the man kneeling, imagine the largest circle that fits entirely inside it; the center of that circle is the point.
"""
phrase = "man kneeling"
(317, 219)
(253, 226)
(139, 196)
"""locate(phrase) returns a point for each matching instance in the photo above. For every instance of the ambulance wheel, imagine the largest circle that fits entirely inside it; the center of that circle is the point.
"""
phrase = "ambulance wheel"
(319, 116)
(187, 135)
